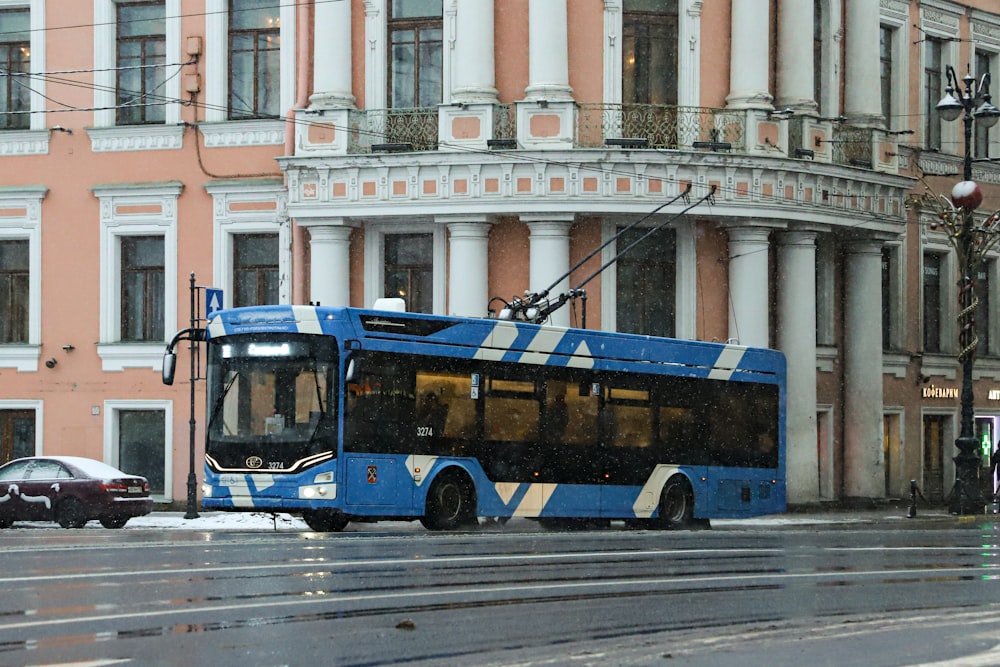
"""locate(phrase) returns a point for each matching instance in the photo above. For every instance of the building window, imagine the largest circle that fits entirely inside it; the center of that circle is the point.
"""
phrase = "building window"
(885, 50)
(17, 434)
(646, 278)
(255, 269)
(142, 50)
(981, 145)
(933, 74)
(649, 52)
(254, 59)
(818, 51)
(138, 441)
(933, 265)
(142, 288)
(15, 59)
(983, 310)
(891, 295)
(14, 291)
(415, 53)
(409, 262)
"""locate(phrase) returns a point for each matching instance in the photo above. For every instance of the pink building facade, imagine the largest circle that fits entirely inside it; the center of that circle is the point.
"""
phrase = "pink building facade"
(454, 151)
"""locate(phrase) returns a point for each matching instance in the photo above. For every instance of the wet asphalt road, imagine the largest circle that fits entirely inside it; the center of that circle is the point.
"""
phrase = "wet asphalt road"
(867, 594)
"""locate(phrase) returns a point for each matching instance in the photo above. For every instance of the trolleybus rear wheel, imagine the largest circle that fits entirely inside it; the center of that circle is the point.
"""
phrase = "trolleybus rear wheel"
(451, 503)
(676, 504)
(325, 521)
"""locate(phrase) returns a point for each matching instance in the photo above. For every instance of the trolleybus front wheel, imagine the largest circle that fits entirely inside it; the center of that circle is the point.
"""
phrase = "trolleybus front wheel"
(325, 521)
(451, 503)
(677, 504)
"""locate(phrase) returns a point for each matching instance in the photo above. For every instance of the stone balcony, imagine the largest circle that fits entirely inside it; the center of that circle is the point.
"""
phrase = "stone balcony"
(559, 125)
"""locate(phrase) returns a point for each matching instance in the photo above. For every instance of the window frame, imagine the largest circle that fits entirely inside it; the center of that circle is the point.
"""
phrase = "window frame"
(107, 135)
(35, 139)
(13, 86)
(111, 453)
(249, 207)
(217, 129)
(21, 220)
(377, 57)
(16, 276)
(896, 291)
(688, 59)
(257, 56)
(685, 285)
(415, 25)
(38, 407)
(145, 60)
(147, 297)
(375, 234)
(939, 23)
(139, 210)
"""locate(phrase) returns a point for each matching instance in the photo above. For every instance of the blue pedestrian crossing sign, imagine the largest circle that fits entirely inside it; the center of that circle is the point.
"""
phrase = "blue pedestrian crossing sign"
(213, 301)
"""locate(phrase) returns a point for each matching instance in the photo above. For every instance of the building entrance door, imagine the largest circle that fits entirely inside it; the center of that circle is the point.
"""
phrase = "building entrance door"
(17, 434)
(933, 472)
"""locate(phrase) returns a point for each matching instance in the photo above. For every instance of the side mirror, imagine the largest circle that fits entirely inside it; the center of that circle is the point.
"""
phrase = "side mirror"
(350, 372)
(169, 363)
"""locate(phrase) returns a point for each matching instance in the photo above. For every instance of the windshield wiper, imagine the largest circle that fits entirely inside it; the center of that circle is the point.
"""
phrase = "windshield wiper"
(222, 397)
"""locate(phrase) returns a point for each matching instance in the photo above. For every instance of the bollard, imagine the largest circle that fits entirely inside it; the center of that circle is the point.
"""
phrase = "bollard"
(912, 511)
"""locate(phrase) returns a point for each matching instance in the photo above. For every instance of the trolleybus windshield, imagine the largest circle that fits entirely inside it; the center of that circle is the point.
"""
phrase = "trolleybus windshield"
(272, 403)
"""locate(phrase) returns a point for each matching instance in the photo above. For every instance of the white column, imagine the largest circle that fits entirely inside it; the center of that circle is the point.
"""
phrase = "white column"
(329, 264)
(749, 55)
(549, 258)
(468, 269)
(864, 471)
(797, 339)
(748, 285)
(795, 56)
(548, 51)
(475, 79)
(862, 62)
(332, 56)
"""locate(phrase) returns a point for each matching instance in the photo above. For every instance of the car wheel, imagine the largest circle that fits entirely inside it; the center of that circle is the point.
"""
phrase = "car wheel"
(6, 521)
(451, 503)
(677, 504)
(325, 521)
(113, 521)
(70, 514)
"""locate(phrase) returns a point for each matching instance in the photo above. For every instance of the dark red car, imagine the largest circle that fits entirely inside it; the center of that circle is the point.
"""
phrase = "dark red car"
(71, 491)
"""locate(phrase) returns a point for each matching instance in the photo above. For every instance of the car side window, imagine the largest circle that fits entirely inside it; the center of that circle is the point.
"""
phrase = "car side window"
(15, 471)
(48, 470)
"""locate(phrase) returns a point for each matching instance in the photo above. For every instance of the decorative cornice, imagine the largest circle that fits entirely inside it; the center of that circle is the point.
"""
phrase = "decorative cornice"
(243, 133)
(591, 181)
(27, 142)
(135, 138)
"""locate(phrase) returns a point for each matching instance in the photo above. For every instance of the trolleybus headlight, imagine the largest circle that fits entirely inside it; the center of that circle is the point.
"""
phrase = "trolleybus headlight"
(206, 491)
(323, 478)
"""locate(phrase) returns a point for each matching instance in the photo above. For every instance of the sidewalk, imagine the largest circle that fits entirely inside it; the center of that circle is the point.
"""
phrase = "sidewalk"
(891, 515)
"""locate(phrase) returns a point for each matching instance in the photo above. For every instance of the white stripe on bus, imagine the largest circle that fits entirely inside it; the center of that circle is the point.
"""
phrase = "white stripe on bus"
(649, 496)
(728, 361)
(307, 318)
(535, 500)
(541, 346)
(498, 342)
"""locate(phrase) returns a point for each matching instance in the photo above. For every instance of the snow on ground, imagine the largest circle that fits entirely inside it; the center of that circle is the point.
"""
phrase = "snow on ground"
(265, 521)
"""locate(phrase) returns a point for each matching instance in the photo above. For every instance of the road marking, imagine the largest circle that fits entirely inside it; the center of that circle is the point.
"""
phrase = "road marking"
(491, 591)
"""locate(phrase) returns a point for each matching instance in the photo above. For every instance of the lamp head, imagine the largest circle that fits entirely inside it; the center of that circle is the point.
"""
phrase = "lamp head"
(949, 107)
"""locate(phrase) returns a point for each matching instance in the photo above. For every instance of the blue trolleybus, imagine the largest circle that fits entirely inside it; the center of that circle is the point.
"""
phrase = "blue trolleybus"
(346, 414)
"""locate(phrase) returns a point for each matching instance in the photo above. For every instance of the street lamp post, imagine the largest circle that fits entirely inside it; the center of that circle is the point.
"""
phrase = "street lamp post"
(971, 241)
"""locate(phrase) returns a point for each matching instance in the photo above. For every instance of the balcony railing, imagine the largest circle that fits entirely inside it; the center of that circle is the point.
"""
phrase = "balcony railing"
(417, 128)
(662, 126)
(852, 146)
